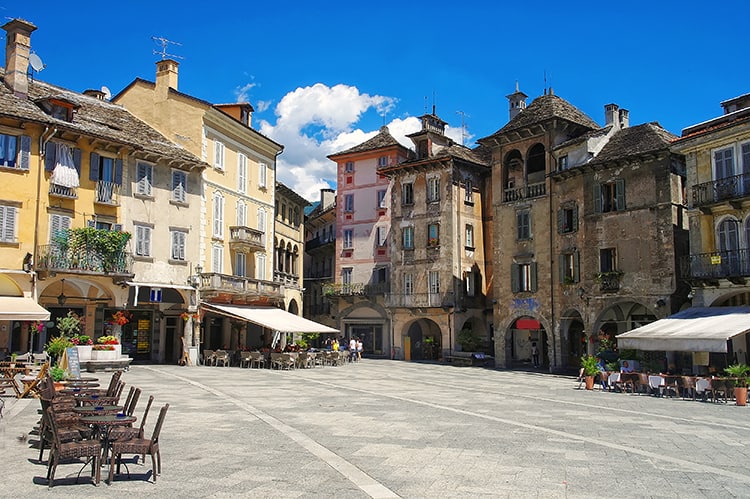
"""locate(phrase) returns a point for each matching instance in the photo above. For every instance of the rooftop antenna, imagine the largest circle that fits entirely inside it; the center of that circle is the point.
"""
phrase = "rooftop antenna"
(425, 104)
(545, 82)
(107, 92)
(463, 126)
(163, 52)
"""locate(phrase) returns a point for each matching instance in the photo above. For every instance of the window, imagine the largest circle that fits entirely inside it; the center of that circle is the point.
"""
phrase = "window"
(468, 191)
(570, 267)
(218, 211)
(609, 196)
(179, 186)
(470, 283)
(105, 169)
(178, 237)
(144, 179)
(349, 167)
(523, 224)
(283, 211)
(8, 224)
(469, 236)
(382, 236)
(349, 203)
(142, 240)
(262, 220)
(217, 258)
(433, 235)
(407, 193)
(562, 163)
(381, 199)
(433, 278)
(262, 173)
(348, 239)
(241, 173)
(218, 155)
(408, 283)
(407, 234)
(724, 163)
(523, 277)
(607, 260)
(567, 220)
(383, 161)
(346, 279)
(433, 189)
(15, 151)
(241, 213)
(240, 265)
(58, 223)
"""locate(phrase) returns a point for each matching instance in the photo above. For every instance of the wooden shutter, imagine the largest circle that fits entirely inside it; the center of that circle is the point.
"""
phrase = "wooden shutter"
(8, 223)
(576, 266)
(597, 198)
(25, 153)
(94, 167)
(620, 194)
(50, 154)
(560, 220)
(514, 284)
(561, 267)
(574, 225)
(117, 227)
(118, 171)
(77, 159)
(534, 285)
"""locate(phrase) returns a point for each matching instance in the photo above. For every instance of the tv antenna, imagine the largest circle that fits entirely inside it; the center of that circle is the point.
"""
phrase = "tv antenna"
(164, 43)
(463, 126)
(36, 64)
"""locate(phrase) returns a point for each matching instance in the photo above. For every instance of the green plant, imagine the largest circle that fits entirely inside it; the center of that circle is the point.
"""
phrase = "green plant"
(13, 356)
(590, 365)
(739, 372)
(70, 324)
(613, 366)
(108, 340)
(613, 274)
(81, 339)
(469, 341)
(58, 373)
(57, 346)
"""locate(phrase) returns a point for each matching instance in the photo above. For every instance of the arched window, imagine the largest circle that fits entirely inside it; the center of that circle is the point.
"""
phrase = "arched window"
(536, 164)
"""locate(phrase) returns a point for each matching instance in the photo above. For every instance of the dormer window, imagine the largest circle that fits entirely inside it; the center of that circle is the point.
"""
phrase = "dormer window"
(58, 108)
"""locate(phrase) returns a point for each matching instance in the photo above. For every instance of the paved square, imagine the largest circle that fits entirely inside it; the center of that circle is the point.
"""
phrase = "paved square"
(384, 428)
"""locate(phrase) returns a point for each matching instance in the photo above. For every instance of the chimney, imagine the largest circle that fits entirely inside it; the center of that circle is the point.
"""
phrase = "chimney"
(327, 198)
(96, 94)
(17, 50)
(517, 102)
(166, 77)
(624, 118)
(610, 115)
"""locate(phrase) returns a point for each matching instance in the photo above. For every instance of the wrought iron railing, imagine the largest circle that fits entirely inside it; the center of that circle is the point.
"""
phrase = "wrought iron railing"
(63, 192)
(318, 242)
(108, 193)
(721, 189)
(57, 258)
(716, 265)
(609, 281)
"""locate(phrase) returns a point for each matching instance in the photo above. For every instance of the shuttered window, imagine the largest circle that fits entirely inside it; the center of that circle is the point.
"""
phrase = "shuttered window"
(8, 215)
(523, 277)
(179, 186)
(570, 267)
(144, 179)
(58, 223)
(179, 239)
(218, 155)
(241, 213)
(142, 240)
(218, 215)
(609, 196)
(217, 258)
(241, 173)
(15, 151)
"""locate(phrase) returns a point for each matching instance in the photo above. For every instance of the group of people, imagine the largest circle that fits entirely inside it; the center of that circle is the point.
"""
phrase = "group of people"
(355, 347)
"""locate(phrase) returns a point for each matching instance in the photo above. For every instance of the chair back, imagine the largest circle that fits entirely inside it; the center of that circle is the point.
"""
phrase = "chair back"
(130, 408)
(112, 389)
(159, 423)
(701, 385)
(127, 399)
(145, 414)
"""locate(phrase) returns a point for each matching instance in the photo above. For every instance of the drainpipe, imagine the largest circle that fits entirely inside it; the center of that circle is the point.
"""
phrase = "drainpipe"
(43, 139)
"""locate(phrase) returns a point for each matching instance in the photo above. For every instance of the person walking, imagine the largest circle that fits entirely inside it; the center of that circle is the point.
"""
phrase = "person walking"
(360, 346)
(352, 349)
(535, 354)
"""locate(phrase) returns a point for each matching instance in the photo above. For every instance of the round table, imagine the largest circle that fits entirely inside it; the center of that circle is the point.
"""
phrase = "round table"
(78, 391)
(74, 381)
(103, 423)
(98, 410)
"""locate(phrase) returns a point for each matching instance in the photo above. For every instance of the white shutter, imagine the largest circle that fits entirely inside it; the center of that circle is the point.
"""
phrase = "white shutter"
(178, 245)
(218, 155)
(261, 268)
(241, 172)
(218, 215)
(241, 213)
(217, 257)
(262, 174)
(8, 223)
(144, 179)
(179, 181)
(262, 220)
(58, 223)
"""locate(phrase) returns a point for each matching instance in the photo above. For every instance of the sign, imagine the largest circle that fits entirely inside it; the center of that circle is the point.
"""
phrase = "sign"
(74, 364)
(155, 295)
(715, 259)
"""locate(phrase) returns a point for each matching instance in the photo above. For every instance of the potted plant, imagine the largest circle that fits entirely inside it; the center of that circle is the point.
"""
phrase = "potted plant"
(56, 347)
(740, 373)
(106, 348)
(83, 344)
(590, 367)
(58, 374)
(70, 324)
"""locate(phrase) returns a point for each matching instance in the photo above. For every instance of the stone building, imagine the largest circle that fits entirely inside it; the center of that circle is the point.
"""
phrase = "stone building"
(320, 258)
(289, 246)
(595, 229)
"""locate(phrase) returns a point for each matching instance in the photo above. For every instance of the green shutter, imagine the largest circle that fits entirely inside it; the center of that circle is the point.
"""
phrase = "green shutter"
(576, 266)
(620, 194)
(534, 285)
(574, 226)
(597, 198)
(560, 220)
(561, 268)
(514, 278)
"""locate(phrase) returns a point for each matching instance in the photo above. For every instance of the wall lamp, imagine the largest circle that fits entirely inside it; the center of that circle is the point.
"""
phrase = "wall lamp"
(660, 302)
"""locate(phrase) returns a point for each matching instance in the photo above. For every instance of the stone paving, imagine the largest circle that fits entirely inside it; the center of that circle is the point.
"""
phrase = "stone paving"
(382, 428)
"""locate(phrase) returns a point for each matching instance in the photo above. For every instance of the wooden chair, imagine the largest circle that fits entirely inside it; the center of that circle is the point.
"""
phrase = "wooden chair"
(30, 384)
(90, 449)
(140, 446)
(129, 432)
(688, 386)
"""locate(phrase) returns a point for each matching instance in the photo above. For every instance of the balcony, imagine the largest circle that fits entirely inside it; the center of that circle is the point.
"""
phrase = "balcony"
(107, 193)
(60, 191)
(290, 280)
(56, 258)
(239, 288)
(319, 242)
(245, 239)
(721, 190)
(420, 300)
(733, 265)
(609, 282)
(525, 192)
(356, 289)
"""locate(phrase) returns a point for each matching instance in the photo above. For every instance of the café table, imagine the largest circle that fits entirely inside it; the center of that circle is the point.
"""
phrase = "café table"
(78, 391)
(656, 384)
(96, 410)
(103, 424)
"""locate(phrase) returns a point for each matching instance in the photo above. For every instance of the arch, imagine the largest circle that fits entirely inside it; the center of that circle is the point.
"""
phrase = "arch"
(293, 307)
(522, 333)
(573, 335)
(512, 169)
(423, 338)
(9, 287)
(536, 164)
(732, 299)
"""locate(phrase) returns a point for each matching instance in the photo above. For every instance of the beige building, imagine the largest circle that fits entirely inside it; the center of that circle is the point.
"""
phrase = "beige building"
(289, 244)
(320, 259)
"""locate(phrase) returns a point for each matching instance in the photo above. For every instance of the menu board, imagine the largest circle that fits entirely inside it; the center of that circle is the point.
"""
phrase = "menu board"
(143, 334)
(74, 364)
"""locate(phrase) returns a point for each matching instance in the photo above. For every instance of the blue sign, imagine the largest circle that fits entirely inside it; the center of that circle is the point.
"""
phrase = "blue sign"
(155, 295)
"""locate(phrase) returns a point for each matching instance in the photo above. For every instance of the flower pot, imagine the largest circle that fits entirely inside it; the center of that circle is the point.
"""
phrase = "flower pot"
(589, 382)
(84, 352)
(740, 395)
(58, 385)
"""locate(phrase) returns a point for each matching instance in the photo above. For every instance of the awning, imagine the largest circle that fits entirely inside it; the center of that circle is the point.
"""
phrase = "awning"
(18, 308)
(270, 317)
(697, 329)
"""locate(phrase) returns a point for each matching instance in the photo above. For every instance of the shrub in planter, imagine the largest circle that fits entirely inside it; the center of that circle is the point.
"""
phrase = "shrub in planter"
(740, 374)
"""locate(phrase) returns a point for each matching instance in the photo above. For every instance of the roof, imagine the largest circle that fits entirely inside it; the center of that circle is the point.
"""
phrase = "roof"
(93, 118)
(479, 156)
(543, 108)
(696, 329)
(635, 141)
(382, 140)
(288, 192)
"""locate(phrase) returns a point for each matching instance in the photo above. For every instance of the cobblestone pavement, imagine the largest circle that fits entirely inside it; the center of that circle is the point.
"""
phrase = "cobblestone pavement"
(382, 428)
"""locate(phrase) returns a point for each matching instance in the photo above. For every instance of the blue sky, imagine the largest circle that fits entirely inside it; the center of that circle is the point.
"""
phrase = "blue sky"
(324, 76)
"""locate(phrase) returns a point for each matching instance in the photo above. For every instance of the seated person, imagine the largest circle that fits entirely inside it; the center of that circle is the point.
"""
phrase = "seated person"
(625, 367)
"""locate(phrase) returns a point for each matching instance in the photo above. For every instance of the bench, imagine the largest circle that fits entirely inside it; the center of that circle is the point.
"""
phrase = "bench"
(468, 358)
(102, 365)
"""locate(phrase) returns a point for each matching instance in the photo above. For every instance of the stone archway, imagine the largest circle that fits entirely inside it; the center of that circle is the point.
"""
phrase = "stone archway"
(573, 333)
(520, 337)
(422, 340)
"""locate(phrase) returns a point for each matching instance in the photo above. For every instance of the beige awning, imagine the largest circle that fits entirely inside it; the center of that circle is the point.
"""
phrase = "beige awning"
(269, 317)
(697, 329)
(18, 308)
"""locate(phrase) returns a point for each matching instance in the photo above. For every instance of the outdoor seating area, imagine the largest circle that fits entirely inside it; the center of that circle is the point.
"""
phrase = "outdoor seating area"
(82, 425)
(278, 360)
(706, 389)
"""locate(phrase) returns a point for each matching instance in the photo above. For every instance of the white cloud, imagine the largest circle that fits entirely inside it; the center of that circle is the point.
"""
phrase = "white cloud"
(243, 93)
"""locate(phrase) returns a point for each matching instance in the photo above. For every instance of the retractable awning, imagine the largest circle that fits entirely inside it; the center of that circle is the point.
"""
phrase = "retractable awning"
(697, 329)
(19, 308)
(270, 317)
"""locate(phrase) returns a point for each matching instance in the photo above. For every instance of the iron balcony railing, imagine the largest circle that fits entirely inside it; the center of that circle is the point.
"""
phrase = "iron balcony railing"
(318, 242)
(57, 258)
(609, 281)
(355, 289)
(525, 192)
(63, 192)
(722, 189)
(716, 265)
(420, 300)
(108, 193)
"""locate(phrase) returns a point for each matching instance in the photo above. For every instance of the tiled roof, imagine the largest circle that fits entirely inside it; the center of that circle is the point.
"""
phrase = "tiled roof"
(94, 118)
(480, 156)
(582, 138)
(545, 108)
(382, 140)
(634, 141)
